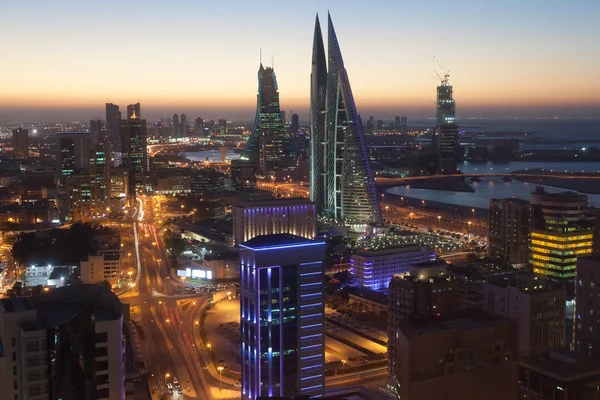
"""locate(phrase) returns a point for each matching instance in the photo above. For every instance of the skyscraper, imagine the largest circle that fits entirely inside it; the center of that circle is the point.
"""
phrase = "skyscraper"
(268, 144)
(183, 126)
(403, 125)
(282, 317)
(95, 131)
(349, 191)
(175, 130)
(587, 303)
(113, 127)
(222, 126)
(199, 126)
(72, 154)
(318, 144)
(508, 238)
(99, 176)
(446, 129)
(133, 111)
(21, 143)
(295, 125)
(135, 154)
(397, 122)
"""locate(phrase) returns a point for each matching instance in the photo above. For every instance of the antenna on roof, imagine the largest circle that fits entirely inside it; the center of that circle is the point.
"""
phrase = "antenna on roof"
(260, 57)
(273, 62)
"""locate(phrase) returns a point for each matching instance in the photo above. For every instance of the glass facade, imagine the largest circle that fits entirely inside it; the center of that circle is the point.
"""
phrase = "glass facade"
(446, 129)
(135, 153)
(269, 144)
(348, 188)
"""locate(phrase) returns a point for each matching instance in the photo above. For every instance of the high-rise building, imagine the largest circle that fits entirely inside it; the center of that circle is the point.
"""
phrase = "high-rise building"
(175, 126)
(95, 131)
(113, 127)
(403, 125)
(64, 344)
(397, 122)
(72, 154)
(423, 289)
(538, 305)
(349, 191)
(508, 238)
(562, 231)
(222, 126)
(295, 125)
(379, 124)
(79, 205)
(199, 126)
(21, 143)
(446, 130)
(283, 120)
(318, 143)
(269, 144)
(256, 218)
(183, 126)
(100, 176)
(587, 304)
(463, 354)
(133, 111)
(135, 154)
(282, 317)
(373, 269)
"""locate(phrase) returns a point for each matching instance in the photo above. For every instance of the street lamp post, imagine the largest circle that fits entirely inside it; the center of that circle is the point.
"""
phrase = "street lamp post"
(343, 366)
(209, 348)
(220, 368)
(167, 376)
(439, 221)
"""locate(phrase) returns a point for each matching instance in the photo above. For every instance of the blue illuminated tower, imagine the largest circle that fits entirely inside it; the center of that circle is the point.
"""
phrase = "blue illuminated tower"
(349, 189)
(282, 317)
(268, 145)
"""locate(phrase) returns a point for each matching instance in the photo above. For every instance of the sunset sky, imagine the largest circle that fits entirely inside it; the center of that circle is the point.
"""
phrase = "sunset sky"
(62, 60)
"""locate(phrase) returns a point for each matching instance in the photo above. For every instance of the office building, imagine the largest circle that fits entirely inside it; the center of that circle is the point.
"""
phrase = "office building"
(403, 122)
(295, 125)
(446, 130)
(207, 183)
(172, 181)
(72, 154)
(283, 120)
(222, 124)
(539, 307)
(96, 132)
(373, 269)
(465, 354)
(100, 176)
(175, 126)
(102, 267)
(423, 289)
(341, 176)
(282, 316)
(119, 180)
(133, 111)
(296, 216)
(508, 237)
(113, 127)
(183, 126)
(135, 154)
(20, 143)
(559, 375)
(269, 144)
(199, 126)
(397, 123)
(562, 231)
(587, 304)
(64, 344)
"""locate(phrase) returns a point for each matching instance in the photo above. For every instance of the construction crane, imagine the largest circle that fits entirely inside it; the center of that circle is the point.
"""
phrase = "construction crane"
(446, 74)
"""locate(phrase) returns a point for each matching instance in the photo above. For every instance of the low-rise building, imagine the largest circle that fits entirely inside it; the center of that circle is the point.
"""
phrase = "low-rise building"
(373, 269)
(102, 267)
(369, 300)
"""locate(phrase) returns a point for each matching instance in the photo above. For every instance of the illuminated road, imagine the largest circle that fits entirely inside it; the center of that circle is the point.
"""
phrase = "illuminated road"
(380, 181)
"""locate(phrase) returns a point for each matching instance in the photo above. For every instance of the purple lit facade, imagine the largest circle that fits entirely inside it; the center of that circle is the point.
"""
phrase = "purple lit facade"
(374, 269)
(282, 317)
(294, 216)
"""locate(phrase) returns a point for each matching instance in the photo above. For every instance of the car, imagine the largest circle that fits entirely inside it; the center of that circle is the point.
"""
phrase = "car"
(237, 384)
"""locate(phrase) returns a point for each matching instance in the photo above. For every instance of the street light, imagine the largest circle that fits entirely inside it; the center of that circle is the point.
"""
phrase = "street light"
(207, 345)
(439, 220)
(220, 369)
(167, 376)
(343, 366)
(473, 211)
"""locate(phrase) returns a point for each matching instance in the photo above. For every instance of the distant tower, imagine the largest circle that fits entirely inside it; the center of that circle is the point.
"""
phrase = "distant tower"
(133, 111)
(283, 121)
(403, 125)
(175, 130)
(95, 131)
(351, 193)
(135, 154)
(268, 145)
(113, 127)
(199, 126)
(397, 123)
(222, 126)
(21, 143)
(183, 126)
(295, 125)
(446, 129)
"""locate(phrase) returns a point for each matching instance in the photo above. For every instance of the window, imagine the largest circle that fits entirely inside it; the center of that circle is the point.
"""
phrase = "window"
(14, 370)
(101, 337)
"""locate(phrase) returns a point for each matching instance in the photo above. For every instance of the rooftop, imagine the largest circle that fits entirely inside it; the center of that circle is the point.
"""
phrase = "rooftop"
(399, 249)
(294, 201)
(372, 295)
(526, 283)
(278, 241)
(562, 365)
(459, 319)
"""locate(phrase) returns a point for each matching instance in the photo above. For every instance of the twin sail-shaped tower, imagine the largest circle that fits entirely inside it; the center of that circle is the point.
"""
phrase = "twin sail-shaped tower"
(342, 185)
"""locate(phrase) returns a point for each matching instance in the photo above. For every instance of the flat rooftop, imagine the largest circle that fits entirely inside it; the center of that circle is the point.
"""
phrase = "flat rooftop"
(460, 319)
(398, 249)
(294, 201)
(278, 240)
(562, 365)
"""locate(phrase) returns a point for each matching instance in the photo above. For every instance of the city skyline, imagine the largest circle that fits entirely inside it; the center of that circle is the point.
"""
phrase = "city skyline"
(503, 58)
